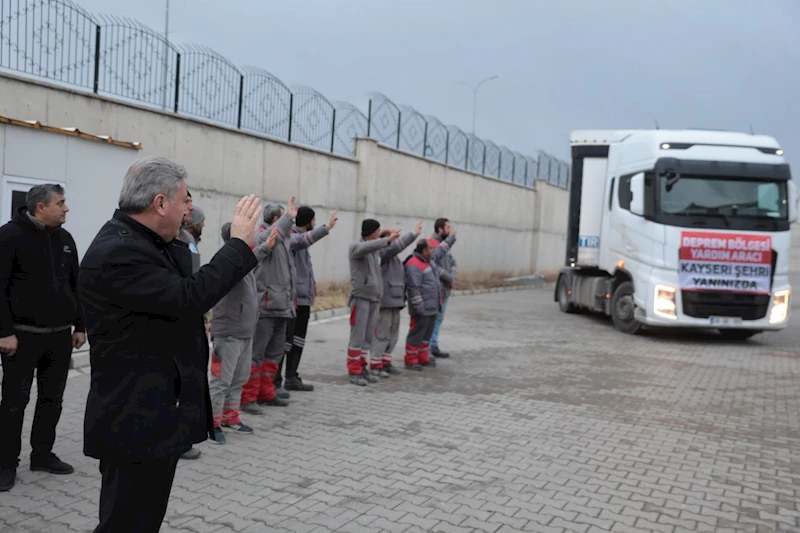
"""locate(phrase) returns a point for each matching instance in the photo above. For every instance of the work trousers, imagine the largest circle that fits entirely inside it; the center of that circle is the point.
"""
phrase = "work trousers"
(418, 340)
(268, 346)
(363, 319)
(296, 330)
(230, 370)
(48, 355)
(386, 335)
(134, 496)
(439, 320)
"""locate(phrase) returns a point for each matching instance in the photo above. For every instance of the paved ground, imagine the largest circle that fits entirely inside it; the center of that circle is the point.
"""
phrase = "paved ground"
(541, 422)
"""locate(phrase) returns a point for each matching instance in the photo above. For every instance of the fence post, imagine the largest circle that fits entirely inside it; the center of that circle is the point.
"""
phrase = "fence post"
(333, 130)
(291, 115)
(399, 122)
(483, 168)
(526, 173)
(241, 101)
(447, 147)
(466, 156)
(177, 80)
(425, 142)
(369, 118)
(500, 165)
(97, 59)
(513, 168)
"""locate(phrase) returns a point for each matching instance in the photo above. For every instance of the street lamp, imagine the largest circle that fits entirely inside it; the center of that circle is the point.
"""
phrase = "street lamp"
(166, 58)
(475, 96)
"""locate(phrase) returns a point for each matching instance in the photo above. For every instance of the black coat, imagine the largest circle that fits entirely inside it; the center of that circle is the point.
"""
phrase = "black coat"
(38, 276)
(149, 352)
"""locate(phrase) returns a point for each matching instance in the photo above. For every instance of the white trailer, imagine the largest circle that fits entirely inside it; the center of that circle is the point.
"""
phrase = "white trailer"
(685, 228)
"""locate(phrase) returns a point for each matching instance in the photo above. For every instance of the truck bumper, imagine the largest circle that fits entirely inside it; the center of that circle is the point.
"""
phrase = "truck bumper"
(646, 307)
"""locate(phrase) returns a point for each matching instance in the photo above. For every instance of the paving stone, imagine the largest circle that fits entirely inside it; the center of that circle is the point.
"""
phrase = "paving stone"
(539, 422)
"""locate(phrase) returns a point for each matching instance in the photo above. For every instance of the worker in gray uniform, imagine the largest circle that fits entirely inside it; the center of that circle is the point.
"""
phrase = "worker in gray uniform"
(394, 300)
(365, 297)
(304, 234)
(277, 298)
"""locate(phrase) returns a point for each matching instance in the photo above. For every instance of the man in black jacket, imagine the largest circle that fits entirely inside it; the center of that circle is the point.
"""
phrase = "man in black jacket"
(38, 309)
(149, 400)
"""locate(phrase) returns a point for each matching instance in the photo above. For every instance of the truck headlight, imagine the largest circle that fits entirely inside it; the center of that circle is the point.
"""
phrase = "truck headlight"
(780, 307)
(665, 305)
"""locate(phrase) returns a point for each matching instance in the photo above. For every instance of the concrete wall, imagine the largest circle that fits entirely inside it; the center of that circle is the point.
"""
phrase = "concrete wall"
(501, 226)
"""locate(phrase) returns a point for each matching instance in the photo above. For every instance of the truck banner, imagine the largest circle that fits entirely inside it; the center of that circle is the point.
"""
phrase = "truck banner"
(725, 262)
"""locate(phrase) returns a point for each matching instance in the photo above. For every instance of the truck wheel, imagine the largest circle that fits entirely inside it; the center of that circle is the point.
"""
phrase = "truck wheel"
(622, 309)
(564, 302)
(737, 334)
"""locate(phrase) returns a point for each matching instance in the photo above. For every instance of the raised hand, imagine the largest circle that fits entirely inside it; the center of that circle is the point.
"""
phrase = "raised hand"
(418, 229)
(272, 239)
(9, 345)
(245, 216)
(291, 210)
(394, 235)
(332, 221)
(452, 231)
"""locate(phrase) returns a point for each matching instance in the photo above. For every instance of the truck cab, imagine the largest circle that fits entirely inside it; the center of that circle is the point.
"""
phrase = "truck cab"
(679, 228)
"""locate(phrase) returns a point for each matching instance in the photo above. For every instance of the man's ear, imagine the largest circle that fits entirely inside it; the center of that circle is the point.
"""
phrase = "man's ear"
(160, 202)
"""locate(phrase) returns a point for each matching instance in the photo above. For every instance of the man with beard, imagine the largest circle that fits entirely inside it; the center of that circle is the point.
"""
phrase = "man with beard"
(442, 230)
(192, 228)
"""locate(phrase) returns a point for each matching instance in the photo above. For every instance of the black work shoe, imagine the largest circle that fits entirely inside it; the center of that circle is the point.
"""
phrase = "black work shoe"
(391, 369)
(298, 385)
(8, 476)
(438, 353)
(282, 393)
(275, 402)
(415, 367)
(431, 363)
(52, 464)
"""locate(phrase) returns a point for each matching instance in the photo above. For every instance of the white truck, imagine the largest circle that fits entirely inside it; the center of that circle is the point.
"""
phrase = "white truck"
(682, 228)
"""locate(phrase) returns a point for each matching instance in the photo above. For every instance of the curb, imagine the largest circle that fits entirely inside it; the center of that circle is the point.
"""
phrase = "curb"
(80, 359)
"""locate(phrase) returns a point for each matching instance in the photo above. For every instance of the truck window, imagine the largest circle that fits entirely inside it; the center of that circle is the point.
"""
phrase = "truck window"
(611, 194)
(625, 195)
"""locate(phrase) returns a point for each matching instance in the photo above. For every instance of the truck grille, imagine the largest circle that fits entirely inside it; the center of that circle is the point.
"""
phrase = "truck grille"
(704, 304)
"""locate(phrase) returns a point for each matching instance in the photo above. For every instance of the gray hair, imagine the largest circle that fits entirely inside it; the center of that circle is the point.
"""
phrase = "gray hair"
(41, 194)
(271, 211)
(147, 178)
(226, 232)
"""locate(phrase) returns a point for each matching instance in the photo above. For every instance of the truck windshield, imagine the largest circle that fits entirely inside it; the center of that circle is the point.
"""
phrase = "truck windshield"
(723, 199)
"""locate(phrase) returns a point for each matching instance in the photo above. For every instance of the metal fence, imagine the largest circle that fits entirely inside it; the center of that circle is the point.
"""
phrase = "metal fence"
(60, 41)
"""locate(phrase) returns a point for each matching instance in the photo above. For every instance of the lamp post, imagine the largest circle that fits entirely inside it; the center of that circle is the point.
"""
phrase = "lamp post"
(166, 59)
(475, 96)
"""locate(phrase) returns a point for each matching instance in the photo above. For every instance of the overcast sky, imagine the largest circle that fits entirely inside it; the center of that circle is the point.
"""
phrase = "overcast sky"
(562, 64)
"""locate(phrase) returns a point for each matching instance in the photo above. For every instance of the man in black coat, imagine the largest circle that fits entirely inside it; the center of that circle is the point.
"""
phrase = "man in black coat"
(148, 400)
(38, 310)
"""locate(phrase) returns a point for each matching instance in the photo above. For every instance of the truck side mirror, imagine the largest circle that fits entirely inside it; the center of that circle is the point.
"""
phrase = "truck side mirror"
(793, 200)
(637, 194)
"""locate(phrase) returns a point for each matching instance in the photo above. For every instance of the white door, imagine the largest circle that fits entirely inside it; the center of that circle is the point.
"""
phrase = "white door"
(15, 191)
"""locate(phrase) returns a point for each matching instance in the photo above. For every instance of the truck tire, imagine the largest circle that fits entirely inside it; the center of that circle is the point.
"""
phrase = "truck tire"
(564, 301)
(737, 334)
(622, 309)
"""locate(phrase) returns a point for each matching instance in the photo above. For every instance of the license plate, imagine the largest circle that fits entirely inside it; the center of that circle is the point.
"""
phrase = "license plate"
(725, 320)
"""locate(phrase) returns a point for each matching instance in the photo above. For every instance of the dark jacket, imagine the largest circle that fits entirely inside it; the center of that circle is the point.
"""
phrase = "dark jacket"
(148, 396)
(446, 261)
(38, 276)
(306, 284)
(425, 293)
(393, 274)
